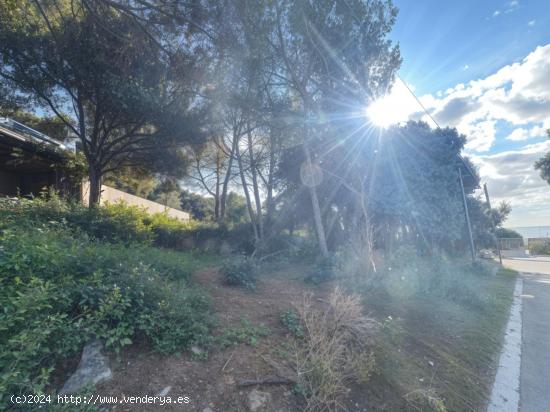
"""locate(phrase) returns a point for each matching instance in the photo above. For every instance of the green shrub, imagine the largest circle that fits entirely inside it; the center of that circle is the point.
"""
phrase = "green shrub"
(245, 332)
(324, 269)
(116, 222)
(240, 271)
(291, 321)
(170, 232)
(539, 248)
(60, 286)
(122, 223)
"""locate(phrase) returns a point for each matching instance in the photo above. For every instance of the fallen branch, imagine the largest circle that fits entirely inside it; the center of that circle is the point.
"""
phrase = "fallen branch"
(267, 381)
(280, 369)
(228, 360)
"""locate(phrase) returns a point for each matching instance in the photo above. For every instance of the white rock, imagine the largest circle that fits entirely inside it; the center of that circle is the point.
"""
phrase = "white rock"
(93, 368)
(257, 400)
(165, 391)
(196, 350)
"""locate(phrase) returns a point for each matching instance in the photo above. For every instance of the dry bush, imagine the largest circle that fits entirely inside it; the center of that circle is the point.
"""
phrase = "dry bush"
(425, 400)
(334, 349)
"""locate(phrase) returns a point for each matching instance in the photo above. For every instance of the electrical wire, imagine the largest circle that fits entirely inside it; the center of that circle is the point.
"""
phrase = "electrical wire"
(468, 168)
(417, 100)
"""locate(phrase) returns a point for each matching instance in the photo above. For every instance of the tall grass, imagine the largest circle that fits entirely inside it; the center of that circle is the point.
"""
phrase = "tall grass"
(443, 321)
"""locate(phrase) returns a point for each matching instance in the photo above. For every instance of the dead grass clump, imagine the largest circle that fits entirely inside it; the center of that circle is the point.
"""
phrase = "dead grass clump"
(334, 349)
(425, 400)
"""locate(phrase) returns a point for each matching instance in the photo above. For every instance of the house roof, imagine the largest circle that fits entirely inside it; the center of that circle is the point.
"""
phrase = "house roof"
(14, 129)
(36, 150)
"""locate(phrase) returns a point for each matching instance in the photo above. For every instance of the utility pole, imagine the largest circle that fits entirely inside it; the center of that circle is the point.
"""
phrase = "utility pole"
(492, 222)
(467, 214)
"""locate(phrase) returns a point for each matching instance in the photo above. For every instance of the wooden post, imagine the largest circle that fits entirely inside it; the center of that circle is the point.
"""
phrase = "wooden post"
(492, 222)
(467, 214)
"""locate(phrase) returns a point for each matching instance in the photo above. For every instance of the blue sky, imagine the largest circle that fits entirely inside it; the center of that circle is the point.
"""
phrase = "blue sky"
(438, 39)
(484, 67)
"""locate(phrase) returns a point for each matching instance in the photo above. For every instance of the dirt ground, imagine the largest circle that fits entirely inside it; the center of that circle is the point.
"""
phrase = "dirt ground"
(434, 348)
(213, 384)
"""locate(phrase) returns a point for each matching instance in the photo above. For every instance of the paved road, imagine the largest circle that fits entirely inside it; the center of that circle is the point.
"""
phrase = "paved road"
(524, 365)
(532, 265)
(535, 356)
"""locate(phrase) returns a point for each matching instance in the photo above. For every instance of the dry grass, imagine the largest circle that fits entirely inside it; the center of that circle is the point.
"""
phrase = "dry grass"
(425, 400)
(334, 349)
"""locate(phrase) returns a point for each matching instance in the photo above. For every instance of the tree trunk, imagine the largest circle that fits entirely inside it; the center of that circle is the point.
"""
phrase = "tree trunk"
(319, 229)
(246, 193)
(368, 238)
(217, 191)
(94, 176)
(270, 204)
(255, 187)
(225, 186)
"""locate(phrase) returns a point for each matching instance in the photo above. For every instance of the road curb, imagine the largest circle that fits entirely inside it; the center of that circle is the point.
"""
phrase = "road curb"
(505, 391)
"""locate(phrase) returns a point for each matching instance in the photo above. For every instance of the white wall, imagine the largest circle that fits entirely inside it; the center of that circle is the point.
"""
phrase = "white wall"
(112, 195)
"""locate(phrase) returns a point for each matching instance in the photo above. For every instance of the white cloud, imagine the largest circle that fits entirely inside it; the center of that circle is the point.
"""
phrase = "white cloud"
(519, 134)
(509, 7)
(512, 6)
(531, 23)
(481, 135)
(517, 94)
(465, 67)
(511, 177)
(522, 133)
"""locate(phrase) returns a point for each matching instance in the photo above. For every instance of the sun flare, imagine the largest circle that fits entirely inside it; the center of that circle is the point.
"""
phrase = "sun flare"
(380, 113)
(393, 108)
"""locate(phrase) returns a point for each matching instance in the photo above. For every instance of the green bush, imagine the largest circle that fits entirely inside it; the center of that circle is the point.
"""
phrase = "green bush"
(292, 322)
(122, 223)
(61, 286)
(116, 222)
(281, 247)
(324, 269)
(539, 248)
(170, 232)
(240, 271)
(246, 332)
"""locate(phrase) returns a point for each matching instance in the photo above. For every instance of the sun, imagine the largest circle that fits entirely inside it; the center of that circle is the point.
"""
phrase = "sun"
(380, 113)
(392, 108)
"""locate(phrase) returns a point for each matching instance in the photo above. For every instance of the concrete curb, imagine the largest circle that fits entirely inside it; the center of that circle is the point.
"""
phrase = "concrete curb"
(505, 392)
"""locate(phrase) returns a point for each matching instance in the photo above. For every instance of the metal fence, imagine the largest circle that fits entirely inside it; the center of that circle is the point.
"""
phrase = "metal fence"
(511, 243)
(520, 247)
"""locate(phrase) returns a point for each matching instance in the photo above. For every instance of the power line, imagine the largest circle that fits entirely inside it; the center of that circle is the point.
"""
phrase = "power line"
(468, 168)
(418, 100)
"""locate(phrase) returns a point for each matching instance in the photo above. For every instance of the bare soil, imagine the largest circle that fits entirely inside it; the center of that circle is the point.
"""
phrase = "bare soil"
(213, 383)
(435, 350)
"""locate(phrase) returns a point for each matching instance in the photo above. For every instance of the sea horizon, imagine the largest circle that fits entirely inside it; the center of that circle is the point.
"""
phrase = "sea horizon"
(531, 231)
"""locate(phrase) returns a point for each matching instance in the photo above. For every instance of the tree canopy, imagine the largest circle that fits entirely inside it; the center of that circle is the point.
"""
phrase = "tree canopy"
(543, 165)
(106, 79)
(256, 107)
